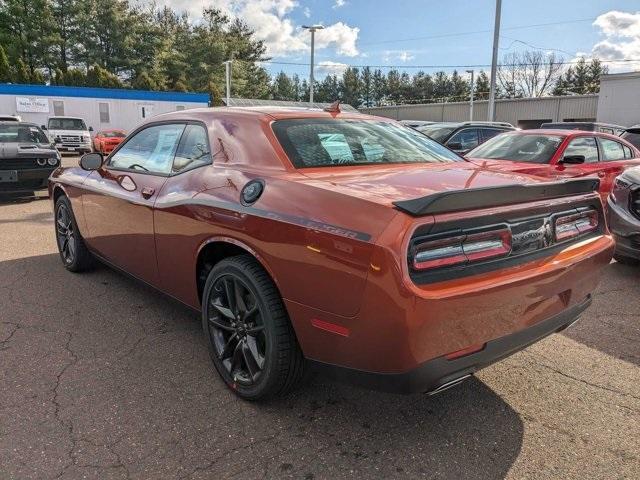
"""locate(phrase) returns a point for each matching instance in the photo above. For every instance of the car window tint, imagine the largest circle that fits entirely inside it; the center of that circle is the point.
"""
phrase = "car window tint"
(585, 146)
(627, 152)
(193, 150)
(150, 150)
(611, 150)
(633, 137)
(529, 148)
(336, 146)
(467, 139)
(488, 133)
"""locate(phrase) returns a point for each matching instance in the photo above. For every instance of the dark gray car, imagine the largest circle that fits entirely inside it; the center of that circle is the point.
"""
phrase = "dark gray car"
(27, 157)
(624, 216)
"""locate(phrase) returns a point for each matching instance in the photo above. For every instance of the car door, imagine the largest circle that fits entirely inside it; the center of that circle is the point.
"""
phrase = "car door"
(615, 158)
(119, 199)
(585, 146)
(463, 140)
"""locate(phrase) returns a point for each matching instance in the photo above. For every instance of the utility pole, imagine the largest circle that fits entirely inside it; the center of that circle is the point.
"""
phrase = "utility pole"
(491, 113)
(312, 29)
(471, 97)
(227, 75)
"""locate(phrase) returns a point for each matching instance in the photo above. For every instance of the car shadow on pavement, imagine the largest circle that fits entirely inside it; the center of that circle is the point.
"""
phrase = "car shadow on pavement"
(102, 370)
(610, 325)
(12, 199)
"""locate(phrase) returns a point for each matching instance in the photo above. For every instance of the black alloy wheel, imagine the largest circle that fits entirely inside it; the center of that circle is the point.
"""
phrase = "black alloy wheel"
(237, 329)
(251, 341)
(73, 251)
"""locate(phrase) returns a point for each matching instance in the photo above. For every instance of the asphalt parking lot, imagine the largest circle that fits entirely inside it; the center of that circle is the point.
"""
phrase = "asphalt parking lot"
(103, 377)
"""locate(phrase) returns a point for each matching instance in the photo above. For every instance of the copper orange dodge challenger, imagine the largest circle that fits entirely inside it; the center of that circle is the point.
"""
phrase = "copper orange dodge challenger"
(319, 239)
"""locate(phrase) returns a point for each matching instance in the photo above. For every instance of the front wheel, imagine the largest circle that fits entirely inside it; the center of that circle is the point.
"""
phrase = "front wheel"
(251, 341)
(73, 252)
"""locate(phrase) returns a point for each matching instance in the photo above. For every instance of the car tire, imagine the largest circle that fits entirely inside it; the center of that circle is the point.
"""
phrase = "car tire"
(256, 354)
(71, 247)
(626, 260)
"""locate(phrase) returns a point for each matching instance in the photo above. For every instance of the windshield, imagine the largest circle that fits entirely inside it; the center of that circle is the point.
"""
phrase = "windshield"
(435, 132)
(518, 148)
(113, 133)
(22, 134)
(633, 137)
(323, 143)
(66, 124)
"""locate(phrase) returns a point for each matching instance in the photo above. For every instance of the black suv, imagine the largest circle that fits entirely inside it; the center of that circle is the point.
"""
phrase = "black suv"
(624, 216)
(632, 135)
(27, 158)
(462, 137)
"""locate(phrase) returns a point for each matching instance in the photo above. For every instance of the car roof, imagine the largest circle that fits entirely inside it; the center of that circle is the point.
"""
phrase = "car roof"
(66, 116)
(262, 112)
(472, 124)
(567, 133)
(13, 122)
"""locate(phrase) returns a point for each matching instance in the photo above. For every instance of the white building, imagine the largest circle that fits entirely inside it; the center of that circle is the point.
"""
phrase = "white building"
(619, 99)
(101, 108)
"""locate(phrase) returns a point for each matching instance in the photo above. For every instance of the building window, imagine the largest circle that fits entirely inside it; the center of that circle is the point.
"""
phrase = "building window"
(179, 108)
(104, 112)
(58, 108)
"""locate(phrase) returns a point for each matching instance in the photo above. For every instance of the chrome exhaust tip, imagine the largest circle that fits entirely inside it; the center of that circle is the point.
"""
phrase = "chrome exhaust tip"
(448, 385)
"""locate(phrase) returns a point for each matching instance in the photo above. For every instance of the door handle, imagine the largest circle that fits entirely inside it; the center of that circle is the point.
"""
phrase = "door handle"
(147, 192)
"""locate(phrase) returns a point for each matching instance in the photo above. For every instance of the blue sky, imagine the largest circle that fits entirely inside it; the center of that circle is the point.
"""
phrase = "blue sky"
(371, 32)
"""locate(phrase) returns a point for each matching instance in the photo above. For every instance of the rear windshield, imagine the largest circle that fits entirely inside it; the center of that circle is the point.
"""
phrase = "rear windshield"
(324, 143)
(22, 134)
(519, 148)
(66, 124)
(439, 134)
(633, 137)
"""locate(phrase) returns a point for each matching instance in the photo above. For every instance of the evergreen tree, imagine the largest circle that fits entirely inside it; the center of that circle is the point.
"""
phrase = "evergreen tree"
(21, 74)
(350, 89)
(366, 81)
(144, 82)
(282, 87)
(5, 70)
(482, 86)
(379, 87)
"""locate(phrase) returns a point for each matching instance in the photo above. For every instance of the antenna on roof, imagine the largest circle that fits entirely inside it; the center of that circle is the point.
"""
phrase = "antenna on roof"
(333, 108)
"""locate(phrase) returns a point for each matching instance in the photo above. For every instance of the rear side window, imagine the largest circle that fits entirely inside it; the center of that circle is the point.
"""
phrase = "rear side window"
(611, 150)
(627, 152)
(464, 140)
(585, 146)
(193, 150)
(488, 133)
(319, 142)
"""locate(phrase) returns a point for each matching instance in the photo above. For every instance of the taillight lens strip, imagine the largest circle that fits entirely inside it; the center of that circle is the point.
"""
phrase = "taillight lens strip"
(574, 225)
(462, 249)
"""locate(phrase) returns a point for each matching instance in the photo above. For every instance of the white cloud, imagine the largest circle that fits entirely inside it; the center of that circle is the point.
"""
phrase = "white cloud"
(329, 68)
(339, 3)
(400, 55)
(272, 24)
(622, 39)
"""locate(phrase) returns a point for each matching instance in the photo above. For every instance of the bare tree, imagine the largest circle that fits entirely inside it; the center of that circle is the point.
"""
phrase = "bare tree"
(530, 74)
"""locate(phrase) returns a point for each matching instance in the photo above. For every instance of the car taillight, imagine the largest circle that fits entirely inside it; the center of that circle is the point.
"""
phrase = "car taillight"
(462, 249)
(571, 226)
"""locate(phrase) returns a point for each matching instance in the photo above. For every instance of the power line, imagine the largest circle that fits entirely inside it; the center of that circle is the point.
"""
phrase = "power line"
(460, 34)
(477, 65)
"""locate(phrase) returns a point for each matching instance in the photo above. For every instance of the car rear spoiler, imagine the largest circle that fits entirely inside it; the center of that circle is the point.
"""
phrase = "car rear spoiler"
(485, 197)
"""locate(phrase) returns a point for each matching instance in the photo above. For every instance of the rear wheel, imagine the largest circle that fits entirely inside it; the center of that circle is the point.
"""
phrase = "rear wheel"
(73, 251)
(251, 341)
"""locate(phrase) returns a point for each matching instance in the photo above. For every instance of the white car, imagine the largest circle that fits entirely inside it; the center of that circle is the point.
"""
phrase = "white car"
(10, 118)
(70, 134)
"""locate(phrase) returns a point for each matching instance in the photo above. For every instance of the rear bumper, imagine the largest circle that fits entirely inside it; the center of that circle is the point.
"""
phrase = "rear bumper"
(439, 372)
(28, 181)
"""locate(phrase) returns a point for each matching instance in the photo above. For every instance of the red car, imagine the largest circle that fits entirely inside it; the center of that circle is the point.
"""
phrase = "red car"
(339, 241)
(107, 140)
(559, 154)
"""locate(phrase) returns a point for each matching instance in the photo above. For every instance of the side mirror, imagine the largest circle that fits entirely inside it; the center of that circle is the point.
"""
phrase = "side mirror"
(91, 129)
(91, 161)
(573, 159)
(43, 127)
(455, 146)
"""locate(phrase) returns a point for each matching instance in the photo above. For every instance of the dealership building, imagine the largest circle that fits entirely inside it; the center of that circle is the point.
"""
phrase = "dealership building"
(618, 102)
(101, 108)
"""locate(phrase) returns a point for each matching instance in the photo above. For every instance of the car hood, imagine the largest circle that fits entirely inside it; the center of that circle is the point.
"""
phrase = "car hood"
(404, 182)
(54, 132)
(19, 150)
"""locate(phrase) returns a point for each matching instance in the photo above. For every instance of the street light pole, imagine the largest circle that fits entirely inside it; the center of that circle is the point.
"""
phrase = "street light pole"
(227, 75)
(312, 29)
(471, 97)
(491, 113)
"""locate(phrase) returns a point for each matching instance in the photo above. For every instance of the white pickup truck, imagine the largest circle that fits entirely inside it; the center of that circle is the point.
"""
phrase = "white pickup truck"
(70, 134)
